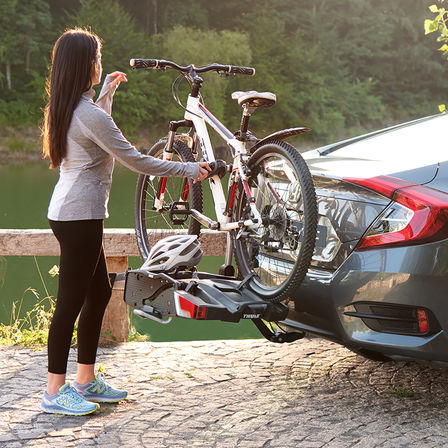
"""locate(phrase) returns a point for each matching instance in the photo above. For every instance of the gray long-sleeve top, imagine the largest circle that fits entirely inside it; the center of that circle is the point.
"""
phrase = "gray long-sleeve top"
(93, 143)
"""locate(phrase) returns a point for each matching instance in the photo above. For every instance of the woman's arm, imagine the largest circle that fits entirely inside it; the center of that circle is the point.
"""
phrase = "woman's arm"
(102, 130)
(99, 127)
(110, 85)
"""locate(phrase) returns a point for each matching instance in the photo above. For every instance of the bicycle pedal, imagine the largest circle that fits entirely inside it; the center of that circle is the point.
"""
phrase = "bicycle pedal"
(179, 216)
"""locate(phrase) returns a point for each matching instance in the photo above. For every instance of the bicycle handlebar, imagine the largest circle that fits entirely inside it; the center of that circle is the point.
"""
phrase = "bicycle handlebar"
(161, 64)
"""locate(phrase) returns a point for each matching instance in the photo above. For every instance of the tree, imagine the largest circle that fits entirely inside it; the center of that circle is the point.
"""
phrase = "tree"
(339, 66)
(379, 42)
(313, 86)
(25, 45)
(8, 38)
(122, 40)
(24, 35)
(158, 17)
(201, 47)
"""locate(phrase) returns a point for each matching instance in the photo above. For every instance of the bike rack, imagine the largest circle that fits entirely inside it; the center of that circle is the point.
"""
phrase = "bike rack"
(201, 296)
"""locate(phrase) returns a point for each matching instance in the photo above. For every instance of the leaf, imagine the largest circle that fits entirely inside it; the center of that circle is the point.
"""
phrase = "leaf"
(433, 8)
(430, 26)
(444, 48)
(442, 108)
(54, 271)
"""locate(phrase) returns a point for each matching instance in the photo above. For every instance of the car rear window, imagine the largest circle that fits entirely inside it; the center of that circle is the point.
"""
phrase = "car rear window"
(418, 144)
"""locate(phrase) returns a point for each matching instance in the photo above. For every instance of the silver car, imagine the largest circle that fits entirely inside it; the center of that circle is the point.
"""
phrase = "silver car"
(378, 282)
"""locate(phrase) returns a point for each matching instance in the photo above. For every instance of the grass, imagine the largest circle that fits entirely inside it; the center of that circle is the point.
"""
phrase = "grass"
(16, 144)
(135, 336)
(20, 144)
(31, 329)
(159, 377)
(400, 393)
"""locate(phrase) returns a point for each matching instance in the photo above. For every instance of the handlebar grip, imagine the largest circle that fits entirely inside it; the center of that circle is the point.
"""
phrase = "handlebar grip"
(218, 167)
(143, 63)
(242, 70)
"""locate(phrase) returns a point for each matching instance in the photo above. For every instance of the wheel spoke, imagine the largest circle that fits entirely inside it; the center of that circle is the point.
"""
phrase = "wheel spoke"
(274, 248)
(153, 215)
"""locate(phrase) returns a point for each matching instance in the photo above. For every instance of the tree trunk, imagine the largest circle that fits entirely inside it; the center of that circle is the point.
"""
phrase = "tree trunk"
(27, 61)
(148, 18)
(8, 74)
(154, 17)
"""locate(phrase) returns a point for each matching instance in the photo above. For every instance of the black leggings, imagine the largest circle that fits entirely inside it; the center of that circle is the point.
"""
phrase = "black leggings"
(84, 288)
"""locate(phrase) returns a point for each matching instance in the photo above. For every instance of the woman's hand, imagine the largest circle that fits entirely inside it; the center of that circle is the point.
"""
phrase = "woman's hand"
(117, 78)
(204, 169)
(109, 86)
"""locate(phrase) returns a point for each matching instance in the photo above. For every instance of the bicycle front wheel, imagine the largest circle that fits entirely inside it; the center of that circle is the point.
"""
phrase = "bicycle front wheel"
(279, 251)
(154, 196)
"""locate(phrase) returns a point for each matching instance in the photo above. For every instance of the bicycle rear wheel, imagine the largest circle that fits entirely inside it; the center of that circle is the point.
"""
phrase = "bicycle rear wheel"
(151, 208)
(279, 252)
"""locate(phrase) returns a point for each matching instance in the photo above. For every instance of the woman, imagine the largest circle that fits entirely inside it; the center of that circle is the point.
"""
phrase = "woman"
(81, 139)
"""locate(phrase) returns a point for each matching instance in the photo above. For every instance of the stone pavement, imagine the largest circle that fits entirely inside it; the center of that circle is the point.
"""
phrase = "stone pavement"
(226, 394)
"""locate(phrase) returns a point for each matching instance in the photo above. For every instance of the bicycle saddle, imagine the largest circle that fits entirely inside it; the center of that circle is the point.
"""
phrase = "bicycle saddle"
(254, 99)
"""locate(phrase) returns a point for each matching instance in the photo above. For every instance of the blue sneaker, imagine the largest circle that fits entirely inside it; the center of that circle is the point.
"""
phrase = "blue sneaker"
(99, 391)
(67, 401)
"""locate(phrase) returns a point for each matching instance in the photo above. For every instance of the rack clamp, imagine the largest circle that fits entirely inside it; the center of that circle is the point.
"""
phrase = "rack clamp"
(245, 281)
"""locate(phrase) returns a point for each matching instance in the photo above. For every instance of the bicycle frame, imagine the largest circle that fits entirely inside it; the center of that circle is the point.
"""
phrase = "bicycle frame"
(200, 116)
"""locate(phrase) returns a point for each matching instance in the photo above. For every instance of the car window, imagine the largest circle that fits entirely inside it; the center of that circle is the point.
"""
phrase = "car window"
(424, 143)
(410, 152)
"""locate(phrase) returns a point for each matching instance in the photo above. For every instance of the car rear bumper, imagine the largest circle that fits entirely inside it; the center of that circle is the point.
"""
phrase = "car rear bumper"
(400, 278)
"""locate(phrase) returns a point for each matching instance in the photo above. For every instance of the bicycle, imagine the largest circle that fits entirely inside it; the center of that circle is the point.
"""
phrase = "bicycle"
(270, 210)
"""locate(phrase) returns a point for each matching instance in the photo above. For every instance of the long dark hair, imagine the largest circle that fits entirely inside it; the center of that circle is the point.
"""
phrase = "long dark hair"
(72, 66)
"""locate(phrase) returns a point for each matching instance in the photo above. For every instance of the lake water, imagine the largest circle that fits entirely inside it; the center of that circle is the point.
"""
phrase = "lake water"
(25, 191)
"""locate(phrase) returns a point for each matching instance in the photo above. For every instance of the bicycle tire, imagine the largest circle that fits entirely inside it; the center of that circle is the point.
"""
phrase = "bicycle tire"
(145, 217)
(279, 252)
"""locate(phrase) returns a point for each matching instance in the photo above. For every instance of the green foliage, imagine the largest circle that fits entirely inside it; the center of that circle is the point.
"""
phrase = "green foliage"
(379, 42)
(438, 24)
(398, 392)
(304, 80)
(135, 336)
(19, 144)
(201, 47)
(32, 328)
(24, 45)
(340, 67)
(121, 40)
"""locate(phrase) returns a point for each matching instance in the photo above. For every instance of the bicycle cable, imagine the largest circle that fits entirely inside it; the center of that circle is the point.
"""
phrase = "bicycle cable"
(175, 85)
(175, 94)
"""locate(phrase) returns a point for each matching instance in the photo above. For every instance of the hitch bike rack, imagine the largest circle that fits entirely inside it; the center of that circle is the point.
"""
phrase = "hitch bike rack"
(201, 296)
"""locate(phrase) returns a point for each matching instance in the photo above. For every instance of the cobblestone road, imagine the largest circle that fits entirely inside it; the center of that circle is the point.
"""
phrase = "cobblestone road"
(227, 394)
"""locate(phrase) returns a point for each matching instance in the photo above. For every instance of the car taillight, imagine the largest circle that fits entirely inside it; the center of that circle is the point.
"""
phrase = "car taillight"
(418, 214)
